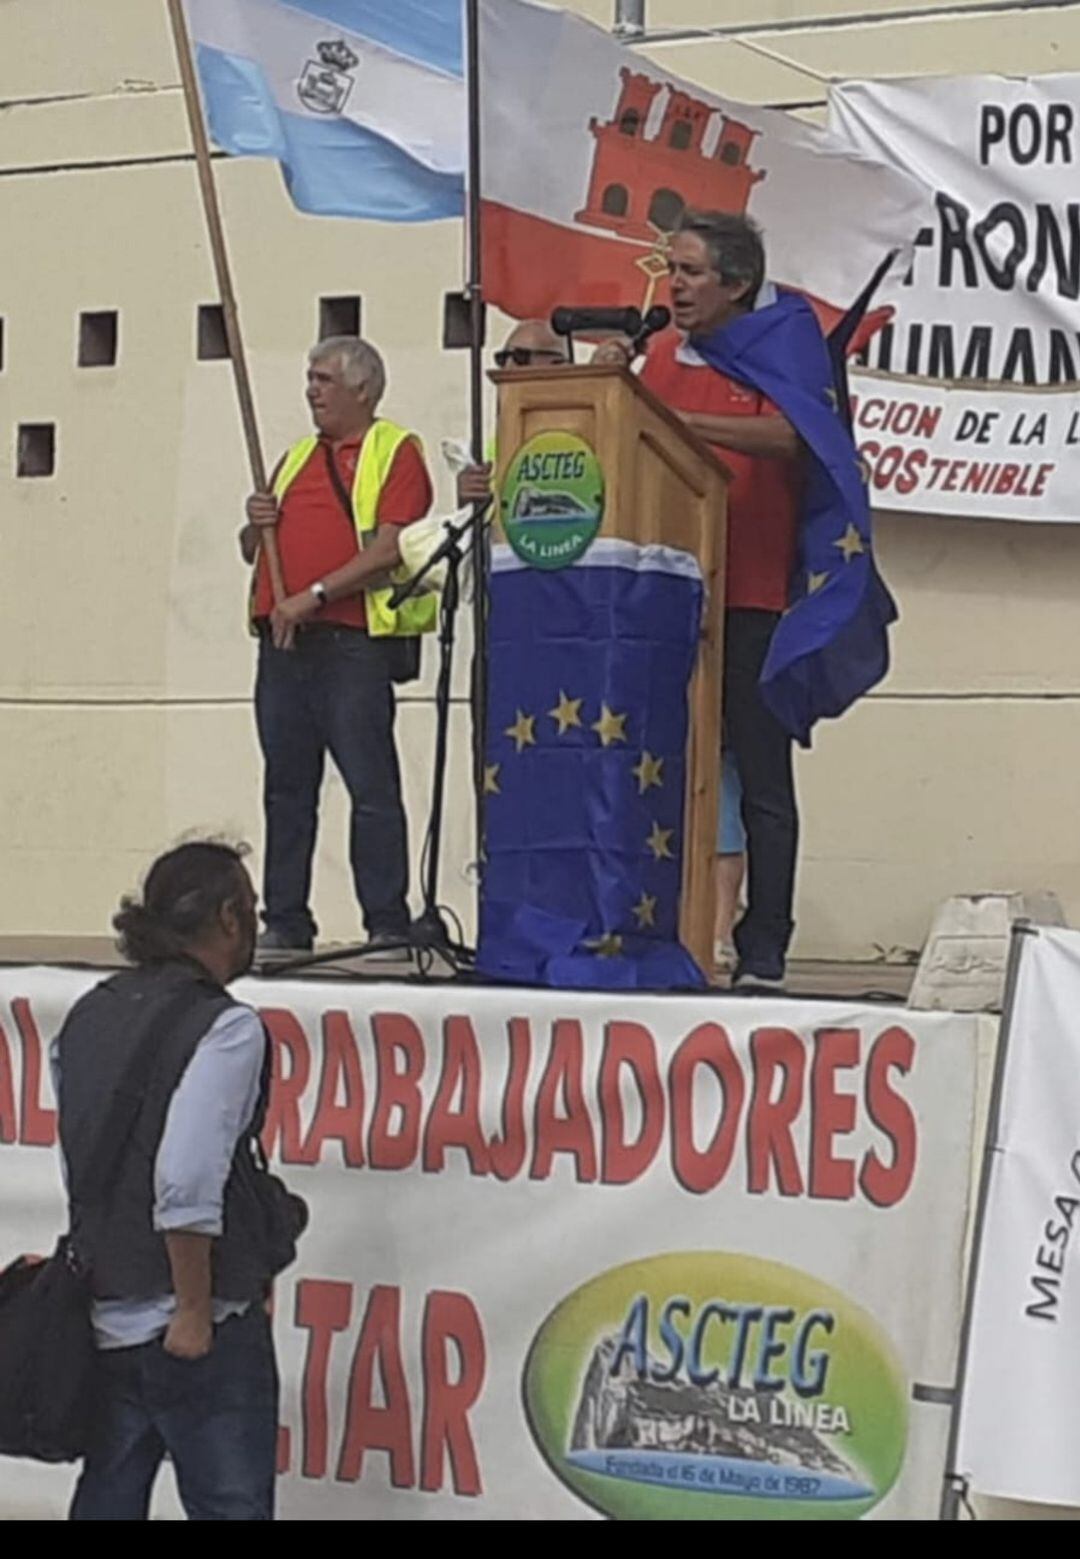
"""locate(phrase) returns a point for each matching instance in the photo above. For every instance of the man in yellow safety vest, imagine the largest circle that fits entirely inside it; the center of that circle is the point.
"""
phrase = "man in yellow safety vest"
(330, 653)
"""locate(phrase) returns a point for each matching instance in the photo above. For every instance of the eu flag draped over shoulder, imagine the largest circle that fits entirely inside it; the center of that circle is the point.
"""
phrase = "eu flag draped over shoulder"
(832, 645)
(361, 101)
(586, 768)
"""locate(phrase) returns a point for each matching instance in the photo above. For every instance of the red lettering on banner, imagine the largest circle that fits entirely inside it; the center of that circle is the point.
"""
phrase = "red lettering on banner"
(630, 1046)
(9, 1124)
(1007, 478)
(368, 1426)
(397, 1101)
(339, 1121)
(607, 1105)
(708, 1045)
(506, 1154)
(571, 1133)
(38, 1121)
(775, 1053)
(881, 1183)
(451, 1319)
(287, 1088)
(461, 1083)
(1041, 479)
(322, 1308)
(832, 1114)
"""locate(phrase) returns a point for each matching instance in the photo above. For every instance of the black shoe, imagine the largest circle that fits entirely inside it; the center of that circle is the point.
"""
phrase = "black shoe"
(388, 947)
(275, 944)
(748, 982)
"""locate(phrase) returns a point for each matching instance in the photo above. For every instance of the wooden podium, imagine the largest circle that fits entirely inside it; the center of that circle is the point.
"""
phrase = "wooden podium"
(664, 485)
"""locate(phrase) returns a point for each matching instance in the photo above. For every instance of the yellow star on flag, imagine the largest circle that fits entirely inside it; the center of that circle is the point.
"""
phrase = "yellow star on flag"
(522, 731)
(567, 712)
(814, 582)
(609, 946)
(648, 772)
(645, 911)
(491, 779)
(610, 727)
(850, 543)
(659, 842)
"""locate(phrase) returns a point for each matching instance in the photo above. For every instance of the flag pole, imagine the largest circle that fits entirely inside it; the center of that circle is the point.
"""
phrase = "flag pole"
(230, 311)
(475, 292)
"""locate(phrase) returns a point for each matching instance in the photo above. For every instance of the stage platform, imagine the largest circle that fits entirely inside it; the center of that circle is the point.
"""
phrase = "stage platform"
(845, 981)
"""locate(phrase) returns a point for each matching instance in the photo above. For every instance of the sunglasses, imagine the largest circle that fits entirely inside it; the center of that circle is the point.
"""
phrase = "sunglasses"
(524, 356)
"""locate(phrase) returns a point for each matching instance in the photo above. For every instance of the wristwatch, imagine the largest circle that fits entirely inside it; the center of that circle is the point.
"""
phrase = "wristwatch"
(318, 590)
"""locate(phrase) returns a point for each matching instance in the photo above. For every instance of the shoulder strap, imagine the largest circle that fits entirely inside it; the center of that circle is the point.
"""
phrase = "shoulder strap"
(340, 490)
(108, 1151)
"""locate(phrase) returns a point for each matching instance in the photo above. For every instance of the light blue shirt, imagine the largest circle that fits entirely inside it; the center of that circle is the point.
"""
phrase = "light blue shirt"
(212, 1107)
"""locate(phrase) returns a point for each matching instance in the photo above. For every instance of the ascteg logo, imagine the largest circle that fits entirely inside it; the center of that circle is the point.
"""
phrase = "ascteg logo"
(712, 1386)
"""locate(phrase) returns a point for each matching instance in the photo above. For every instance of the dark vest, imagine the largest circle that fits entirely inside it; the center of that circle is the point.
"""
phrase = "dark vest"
(114, 1234)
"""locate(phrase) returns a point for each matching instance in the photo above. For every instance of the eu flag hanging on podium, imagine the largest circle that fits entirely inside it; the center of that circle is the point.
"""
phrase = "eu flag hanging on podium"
(586, 769)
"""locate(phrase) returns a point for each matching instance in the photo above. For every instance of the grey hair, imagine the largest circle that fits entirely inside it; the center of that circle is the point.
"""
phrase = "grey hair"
(362, 368)
(736, 250)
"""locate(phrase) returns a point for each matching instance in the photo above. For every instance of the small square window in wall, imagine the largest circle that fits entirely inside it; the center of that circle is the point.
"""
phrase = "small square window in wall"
(213, 342)
(339, 316)
(99, 339)
(36, 453)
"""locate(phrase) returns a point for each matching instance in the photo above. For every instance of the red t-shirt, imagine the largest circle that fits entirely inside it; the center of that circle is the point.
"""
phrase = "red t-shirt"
(316, 536)
(763, 499)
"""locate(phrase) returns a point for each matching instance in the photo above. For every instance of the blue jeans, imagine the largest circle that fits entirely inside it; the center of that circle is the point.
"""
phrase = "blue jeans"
(215, 1418)
(332, 694)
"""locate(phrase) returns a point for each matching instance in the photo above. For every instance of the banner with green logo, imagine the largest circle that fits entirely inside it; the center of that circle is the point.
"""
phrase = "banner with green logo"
(575, 1257)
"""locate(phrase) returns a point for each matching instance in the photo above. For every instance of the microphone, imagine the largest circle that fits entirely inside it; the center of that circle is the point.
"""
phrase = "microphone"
(624, 322)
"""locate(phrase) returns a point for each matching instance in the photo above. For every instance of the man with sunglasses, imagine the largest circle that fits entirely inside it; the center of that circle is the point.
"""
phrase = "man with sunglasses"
(532, 344)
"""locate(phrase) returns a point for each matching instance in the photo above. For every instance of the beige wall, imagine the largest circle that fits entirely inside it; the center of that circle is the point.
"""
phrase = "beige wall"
(124, 668)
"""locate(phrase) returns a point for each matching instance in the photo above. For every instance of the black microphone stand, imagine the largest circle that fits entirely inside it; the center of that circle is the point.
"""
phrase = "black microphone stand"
(430, 933)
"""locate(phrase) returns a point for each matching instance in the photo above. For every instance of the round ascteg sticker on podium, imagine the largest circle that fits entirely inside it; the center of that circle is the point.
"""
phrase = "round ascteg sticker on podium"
(552, 500)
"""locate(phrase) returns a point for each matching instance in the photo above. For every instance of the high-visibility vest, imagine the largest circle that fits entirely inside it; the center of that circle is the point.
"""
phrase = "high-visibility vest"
(381, 443)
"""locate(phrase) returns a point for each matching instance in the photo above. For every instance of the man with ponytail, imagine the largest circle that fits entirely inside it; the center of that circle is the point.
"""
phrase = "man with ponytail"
(182, 1235)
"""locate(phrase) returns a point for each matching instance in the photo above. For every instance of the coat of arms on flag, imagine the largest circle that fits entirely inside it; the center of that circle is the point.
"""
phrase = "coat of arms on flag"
(325, 84)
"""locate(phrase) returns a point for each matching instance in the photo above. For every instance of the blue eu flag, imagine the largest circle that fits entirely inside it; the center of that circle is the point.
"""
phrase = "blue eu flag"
(586, 769)
(832, 645)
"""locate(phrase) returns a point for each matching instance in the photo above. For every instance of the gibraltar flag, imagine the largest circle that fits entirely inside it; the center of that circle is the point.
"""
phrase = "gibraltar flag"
(590, 152)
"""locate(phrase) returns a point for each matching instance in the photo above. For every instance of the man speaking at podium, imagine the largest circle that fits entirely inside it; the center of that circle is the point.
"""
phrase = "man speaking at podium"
(717, 269)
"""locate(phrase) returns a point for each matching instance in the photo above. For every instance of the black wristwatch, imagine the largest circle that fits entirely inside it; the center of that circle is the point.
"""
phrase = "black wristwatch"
(318, 590)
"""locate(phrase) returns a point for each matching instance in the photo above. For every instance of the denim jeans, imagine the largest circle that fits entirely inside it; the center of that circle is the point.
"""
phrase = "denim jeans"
(216, 1418)
(763, 755)
(331, 694)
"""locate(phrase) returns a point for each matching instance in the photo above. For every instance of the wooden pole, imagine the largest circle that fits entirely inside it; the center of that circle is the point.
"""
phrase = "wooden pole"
(216, 230)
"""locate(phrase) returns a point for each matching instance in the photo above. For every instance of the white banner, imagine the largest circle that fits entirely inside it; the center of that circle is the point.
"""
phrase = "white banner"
(991, 295)
(578, 1255)
(1020, 1420)
(1014, 454)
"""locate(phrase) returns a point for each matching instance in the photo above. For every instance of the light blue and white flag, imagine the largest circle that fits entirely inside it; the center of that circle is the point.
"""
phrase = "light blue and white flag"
(361, 101)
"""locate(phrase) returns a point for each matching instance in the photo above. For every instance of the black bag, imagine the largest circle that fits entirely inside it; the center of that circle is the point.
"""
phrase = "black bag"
(47, 1352)
(284, 1215)
(47, 1358)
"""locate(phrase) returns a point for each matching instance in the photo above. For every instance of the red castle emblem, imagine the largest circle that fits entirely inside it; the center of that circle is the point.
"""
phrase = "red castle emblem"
(642, 183)
(644, 176)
